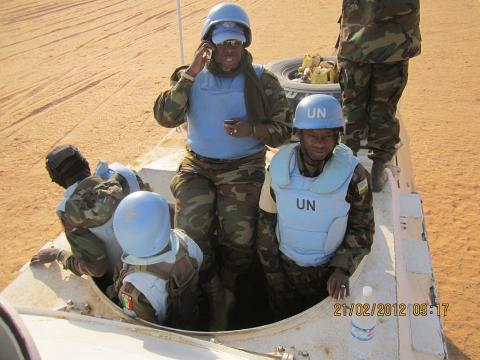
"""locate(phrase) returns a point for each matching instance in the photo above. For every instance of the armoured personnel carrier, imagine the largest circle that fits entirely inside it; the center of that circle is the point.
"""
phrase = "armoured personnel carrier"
(66, 314)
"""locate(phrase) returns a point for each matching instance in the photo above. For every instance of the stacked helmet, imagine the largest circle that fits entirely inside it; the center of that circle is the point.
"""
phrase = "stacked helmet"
(65, 161)
(142, 224)
(318, 112)
(227, 12)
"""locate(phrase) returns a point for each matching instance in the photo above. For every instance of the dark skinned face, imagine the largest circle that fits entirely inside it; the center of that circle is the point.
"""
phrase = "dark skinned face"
(228, 56)
(318, 143)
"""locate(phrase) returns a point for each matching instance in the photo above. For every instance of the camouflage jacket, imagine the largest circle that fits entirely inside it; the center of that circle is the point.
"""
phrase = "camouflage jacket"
(91, 204)
(171, 107)
(379, 31)
(356, 243)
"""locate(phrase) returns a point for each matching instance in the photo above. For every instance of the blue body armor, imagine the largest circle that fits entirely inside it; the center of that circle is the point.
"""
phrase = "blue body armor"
(212, 100)
(312, 211)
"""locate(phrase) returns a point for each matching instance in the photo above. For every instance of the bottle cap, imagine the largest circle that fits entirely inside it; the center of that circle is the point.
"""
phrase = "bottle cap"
(367, 291)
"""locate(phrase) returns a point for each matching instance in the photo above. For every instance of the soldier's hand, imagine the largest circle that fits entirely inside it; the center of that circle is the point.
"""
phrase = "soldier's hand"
(338, 285)
(202, 54)
(45, 256)
(236, 128)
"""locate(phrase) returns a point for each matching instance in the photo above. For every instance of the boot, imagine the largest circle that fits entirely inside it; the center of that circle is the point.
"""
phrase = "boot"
(379, 177)
(216, 296)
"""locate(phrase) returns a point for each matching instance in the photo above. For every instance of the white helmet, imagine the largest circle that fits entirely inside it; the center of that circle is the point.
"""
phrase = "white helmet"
(142, 224)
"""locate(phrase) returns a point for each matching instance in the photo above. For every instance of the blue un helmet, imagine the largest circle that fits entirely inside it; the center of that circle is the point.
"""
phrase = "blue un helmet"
(227, 12)
(142, 224)
(318, 112)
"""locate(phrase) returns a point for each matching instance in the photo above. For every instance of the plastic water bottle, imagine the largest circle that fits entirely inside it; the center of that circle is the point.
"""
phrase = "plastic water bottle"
(362, 325)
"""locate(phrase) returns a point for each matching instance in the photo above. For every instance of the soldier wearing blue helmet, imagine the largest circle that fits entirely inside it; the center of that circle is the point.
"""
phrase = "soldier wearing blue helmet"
(233, 109)
(316, 217)
(159, 278)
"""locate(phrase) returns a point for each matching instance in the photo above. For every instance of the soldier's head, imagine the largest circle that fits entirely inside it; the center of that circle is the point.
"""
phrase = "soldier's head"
(227, 26)
(142, 224)
(318, 123)
(66, 165)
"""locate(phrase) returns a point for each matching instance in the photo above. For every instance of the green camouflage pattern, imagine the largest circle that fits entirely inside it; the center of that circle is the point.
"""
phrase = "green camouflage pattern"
(181, 281)
(88, 255)
(379, 31)
(370, 94)
(293, 288)
(171, 107)
(360, 226)
(306, 286)
(92, 204)
(220, 195)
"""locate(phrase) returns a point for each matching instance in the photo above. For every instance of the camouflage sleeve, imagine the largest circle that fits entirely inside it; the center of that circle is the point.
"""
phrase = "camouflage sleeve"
(145, 186)
(278, 129)
(360, 227)
(268, 250)
(93, 202)
(171, 105)
(387, 10)
(135, 303)
(88, 255)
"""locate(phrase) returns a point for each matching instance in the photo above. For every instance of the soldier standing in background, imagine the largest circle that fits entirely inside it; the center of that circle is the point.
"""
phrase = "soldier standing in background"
(233, 108)
(86, 212)
(377, 38)
(316, 216)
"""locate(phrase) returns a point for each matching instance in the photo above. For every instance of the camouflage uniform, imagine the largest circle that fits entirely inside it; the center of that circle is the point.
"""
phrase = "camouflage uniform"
(376, 40)
(180, 282)
(91, 204)
(209, 190)
(293, 288)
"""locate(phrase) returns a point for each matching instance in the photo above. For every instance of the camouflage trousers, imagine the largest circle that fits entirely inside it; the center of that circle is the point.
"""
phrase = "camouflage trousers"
(306, 286)
(220, 196)
(370, 94)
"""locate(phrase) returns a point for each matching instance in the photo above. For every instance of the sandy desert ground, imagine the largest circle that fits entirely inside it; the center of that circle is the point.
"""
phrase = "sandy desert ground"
(87, 72)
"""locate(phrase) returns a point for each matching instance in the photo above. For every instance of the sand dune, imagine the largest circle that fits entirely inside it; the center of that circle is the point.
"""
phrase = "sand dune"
(87, 72)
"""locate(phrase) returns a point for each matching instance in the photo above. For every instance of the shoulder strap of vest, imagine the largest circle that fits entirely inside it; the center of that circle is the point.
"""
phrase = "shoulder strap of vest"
(338, 169)
(185, 267)
(282, 164)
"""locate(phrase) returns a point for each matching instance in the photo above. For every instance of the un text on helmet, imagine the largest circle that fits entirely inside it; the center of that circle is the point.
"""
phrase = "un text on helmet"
(316, 113)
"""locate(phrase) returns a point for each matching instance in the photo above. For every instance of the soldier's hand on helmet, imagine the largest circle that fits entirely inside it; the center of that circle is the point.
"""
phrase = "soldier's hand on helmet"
(202, 54)
(338, 285)
(45, 256)
(236, 128)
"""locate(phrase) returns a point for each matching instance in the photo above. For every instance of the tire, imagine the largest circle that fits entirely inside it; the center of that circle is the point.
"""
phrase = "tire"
(296, 91)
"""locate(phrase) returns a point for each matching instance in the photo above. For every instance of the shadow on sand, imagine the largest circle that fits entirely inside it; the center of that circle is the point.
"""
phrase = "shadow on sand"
(454, 353)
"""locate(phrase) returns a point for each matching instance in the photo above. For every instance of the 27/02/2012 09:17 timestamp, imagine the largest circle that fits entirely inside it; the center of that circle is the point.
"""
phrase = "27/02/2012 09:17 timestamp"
(389, 309)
